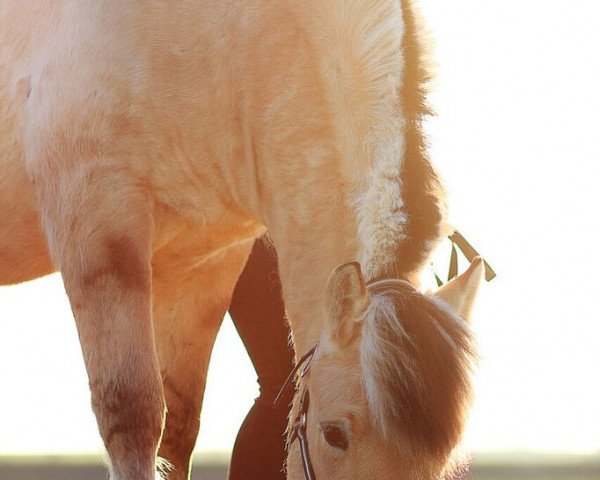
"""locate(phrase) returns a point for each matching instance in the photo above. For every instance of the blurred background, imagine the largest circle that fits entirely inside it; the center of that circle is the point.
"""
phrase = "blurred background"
(517, 142)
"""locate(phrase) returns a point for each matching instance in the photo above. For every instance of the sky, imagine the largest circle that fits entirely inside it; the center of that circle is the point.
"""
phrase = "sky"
(516, 142)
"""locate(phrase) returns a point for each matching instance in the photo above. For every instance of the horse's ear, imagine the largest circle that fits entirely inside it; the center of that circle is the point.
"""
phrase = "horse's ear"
(347, 299)
(460, 292)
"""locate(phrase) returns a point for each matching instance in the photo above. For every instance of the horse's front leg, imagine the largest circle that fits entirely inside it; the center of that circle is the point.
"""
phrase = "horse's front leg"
(99, 228)
(189, 302)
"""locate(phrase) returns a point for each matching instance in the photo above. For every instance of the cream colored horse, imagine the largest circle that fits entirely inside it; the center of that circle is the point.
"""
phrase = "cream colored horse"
(155, 140)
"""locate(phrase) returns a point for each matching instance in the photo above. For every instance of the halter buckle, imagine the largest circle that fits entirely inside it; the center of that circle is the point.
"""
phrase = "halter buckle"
(303, 420)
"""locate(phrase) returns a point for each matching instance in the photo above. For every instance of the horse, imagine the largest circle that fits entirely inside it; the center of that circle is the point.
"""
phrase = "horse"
(145, 145)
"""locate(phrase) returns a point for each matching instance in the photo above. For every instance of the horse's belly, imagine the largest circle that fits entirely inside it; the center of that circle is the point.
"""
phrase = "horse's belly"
(200, 241)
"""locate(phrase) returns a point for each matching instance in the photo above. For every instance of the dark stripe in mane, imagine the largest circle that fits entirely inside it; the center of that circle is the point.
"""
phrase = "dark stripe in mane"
(423, 196)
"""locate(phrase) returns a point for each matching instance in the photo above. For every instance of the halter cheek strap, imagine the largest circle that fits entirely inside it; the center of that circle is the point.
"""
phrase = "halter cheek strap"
(300, 424)
(300, 434)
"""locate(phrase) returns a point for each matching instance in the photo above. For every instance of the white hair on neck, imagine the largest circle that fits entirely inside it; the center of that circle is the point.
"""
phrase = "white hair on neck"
(380, 209)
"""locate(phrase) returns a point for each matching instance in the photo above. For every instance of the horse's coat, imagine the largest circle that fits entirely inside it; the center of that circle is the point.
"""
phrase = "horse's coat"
(155, 140)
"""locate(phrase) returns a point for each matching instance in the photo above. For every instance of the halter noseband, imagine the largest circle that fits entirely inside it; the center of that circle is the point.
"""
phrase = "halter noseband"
(299, 427)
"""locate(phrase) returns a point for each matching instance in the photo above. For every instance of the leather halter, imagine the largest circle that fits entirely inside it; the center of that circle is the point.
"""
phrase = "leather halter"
(299, 427)
(303, 365)
(299, 433)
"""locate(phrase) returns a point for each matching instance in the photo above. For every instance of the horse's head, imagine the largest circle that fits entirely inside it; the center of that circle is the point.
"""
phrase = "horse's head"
(389, 384)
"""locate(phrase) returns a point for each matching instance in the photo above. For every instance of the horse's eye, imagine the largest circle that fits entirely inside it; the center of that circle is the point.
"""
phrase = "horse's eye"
(335, 436)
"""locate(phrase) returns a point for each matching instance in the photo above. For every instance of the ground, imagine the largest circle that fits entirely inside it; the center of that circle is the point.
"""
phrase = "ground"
(519, 467)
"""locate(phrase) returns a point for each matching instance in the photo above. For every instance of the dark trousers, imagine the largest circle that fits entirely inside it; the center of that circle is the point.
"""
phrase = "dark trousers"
(258, 314)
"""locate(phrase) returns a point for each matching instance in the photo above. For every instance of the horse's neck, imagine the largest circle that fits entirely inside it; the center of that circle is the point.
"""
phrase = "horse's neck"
(308, 253)
(334, 149)
(320, 216)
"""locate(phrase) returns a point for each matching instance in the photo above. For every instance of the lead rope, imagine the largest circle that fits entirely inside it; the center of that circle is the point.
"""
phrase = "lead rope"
(307, 357)
(457, 240)
(470, 253)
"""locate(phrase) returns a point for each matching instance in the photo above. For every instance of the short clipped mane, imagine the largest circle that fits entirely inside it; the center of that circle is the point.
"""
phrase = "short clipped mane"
(417, 357)
(402, 214)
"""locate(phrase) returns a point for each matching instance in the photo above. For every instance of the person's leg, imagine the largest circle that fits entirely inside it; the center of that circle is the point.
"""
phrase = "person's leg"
(257, 311)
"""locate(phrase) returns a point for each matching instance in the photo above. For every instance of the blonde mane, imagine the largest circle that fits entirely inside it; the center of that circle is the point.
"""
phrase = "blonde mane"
(372, 58)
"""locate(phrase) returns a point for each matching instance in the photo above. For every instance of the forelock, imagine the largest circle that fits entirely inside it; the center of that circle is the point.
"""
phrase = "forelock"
(416, 358)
